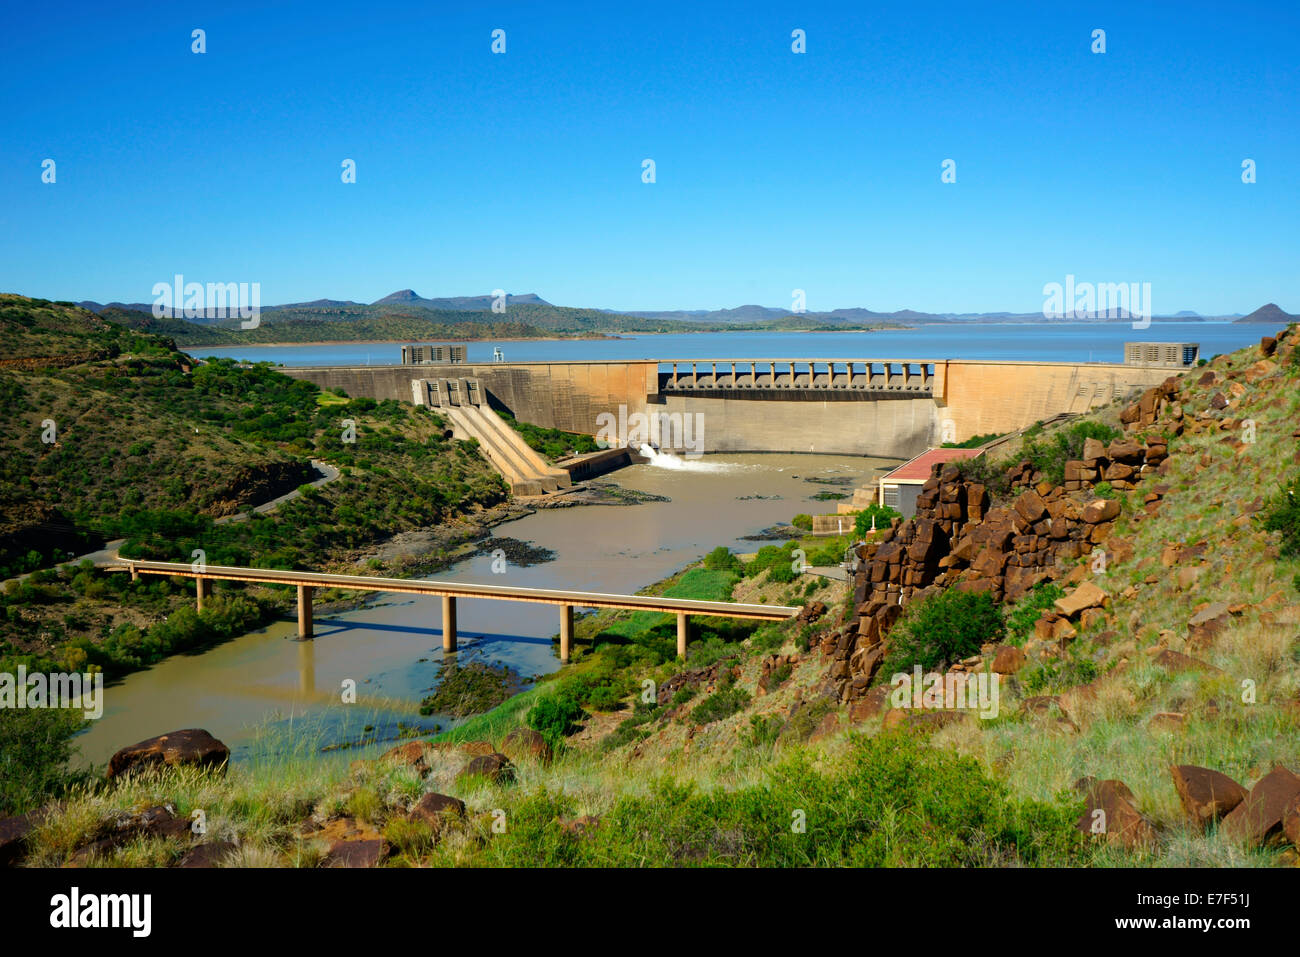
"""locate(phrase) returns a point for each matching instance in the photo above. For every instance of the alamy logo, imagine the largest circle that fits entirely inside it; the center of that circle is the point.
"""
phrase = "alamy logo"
(935, 691)
(216, 300)
(60, 690)
(1085, 300)
(74, 910)
(665, 431)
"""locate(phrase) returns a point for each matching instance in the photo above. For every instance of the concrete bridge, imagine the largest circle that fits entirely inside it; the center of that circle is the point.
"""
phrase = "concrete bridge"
(892, 408)
(306, 583)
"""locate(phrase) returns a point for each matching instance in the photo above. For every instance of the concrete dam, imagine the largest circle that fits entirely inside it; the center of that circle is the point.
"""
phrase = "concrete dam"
(885, 407)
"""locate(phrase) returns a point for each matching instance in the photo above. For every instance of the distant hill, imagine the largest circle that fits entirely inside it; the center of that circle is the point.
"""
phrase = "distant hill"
(406, 315)
(409, 297)
(1270, 313)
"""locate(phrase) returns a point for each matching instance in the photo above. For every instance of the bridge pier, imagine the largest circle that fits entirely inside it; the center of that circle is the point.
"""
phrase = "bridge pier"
(202, 589)
(448, 623)
(566, 633)
(307, 668)
(305, 630)
(683, 630)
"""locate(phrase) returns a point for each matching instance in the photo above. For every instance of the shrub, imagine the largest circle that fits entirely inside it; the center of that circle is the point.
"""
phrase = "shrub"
(723, 703)
(941, 629)
(769, 556)
(882, 514)
(722, 560)
(35, 745)
(803, 521)
(764, 729)
(555, 716)
(975, 441)
(1020, 623)
(1283, 515)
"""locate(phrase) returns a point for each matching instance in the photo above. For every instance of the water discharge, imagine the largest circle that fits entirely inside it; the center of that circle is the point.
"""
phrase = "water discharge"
(670, 460)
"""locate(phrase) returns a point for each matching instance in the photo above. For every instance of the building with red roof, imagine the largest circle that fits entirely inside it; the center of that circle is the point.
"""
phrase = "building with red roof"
(900, 487)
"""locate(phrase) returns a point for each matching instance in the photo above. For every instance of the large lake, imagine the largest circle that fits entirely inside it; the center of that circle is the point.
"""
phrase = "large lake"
(1047, 341)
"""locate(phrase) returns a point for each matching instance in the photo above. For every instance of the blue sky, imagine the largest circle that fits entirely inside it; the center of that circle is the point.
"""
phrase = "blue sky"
(775, 170)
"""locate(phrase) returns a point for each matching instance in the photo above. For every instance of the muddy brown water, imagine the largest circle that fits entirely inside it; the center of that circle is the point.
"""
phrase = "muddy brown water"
(265, 693)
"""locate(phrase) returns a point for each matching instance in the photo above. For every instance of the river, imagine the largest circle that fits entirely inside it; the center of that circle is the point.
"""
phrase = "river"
(265, 692)
(1047, 341)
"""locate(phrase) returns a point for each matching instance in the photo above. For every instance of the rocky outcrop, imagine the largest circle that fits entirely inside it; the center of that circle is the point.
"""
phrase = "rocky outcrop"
(959, 539)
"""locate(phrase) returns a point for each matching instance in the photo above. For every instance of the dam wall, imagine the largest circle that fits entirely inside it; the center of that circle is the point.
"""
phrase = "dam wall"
(892, 408)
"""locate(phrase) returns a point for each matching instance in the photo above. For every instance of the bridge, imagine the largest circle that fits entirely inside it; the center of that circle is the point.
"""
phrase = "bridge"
(893, 408)
(306, 582)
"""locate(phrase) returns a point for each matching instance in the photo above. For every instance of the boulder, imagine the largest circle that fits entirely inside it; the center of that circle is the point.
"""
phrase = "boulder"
(1177, 661)
(1260, 814)
(192, 746)
(364, 852)
(1008, 660)
(1093, 449)
(410, 754)
(495, 767)
(1030, 507)
(1205, 625)
(208, 854)
(525, 743)
(1291, 821)
(1087, 595)
(1206, 795)
(434, 808)
(1111, 813)
(14, 832)
(1100, 510)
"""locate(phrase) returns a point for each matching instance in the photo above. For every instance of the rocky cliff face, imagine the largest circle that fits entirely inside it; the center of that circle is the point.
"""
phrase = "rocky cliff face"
(960, 539)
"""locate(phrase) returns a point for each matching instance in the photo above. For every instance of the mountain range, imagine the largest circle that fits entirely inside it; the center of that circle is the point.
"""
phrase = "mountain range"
(406, 302)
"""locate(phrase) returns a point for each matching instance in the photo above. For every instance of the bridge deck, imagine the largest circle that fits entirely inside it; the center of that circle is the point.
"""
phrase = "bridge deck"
(549, 596)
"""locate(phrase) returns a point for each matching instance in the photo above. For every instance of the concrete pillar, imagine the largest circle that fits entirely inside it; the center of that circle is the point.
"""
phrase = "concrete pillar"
(304, 612)
(448, 623)
(135, 575)
(566, 633)
(202, 589)
(682, 630)
(307, 668)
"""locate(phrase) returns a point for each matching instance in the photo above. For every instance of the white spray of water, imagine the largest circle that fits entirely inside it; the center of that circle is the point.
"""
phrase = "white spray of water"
(667, 460)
